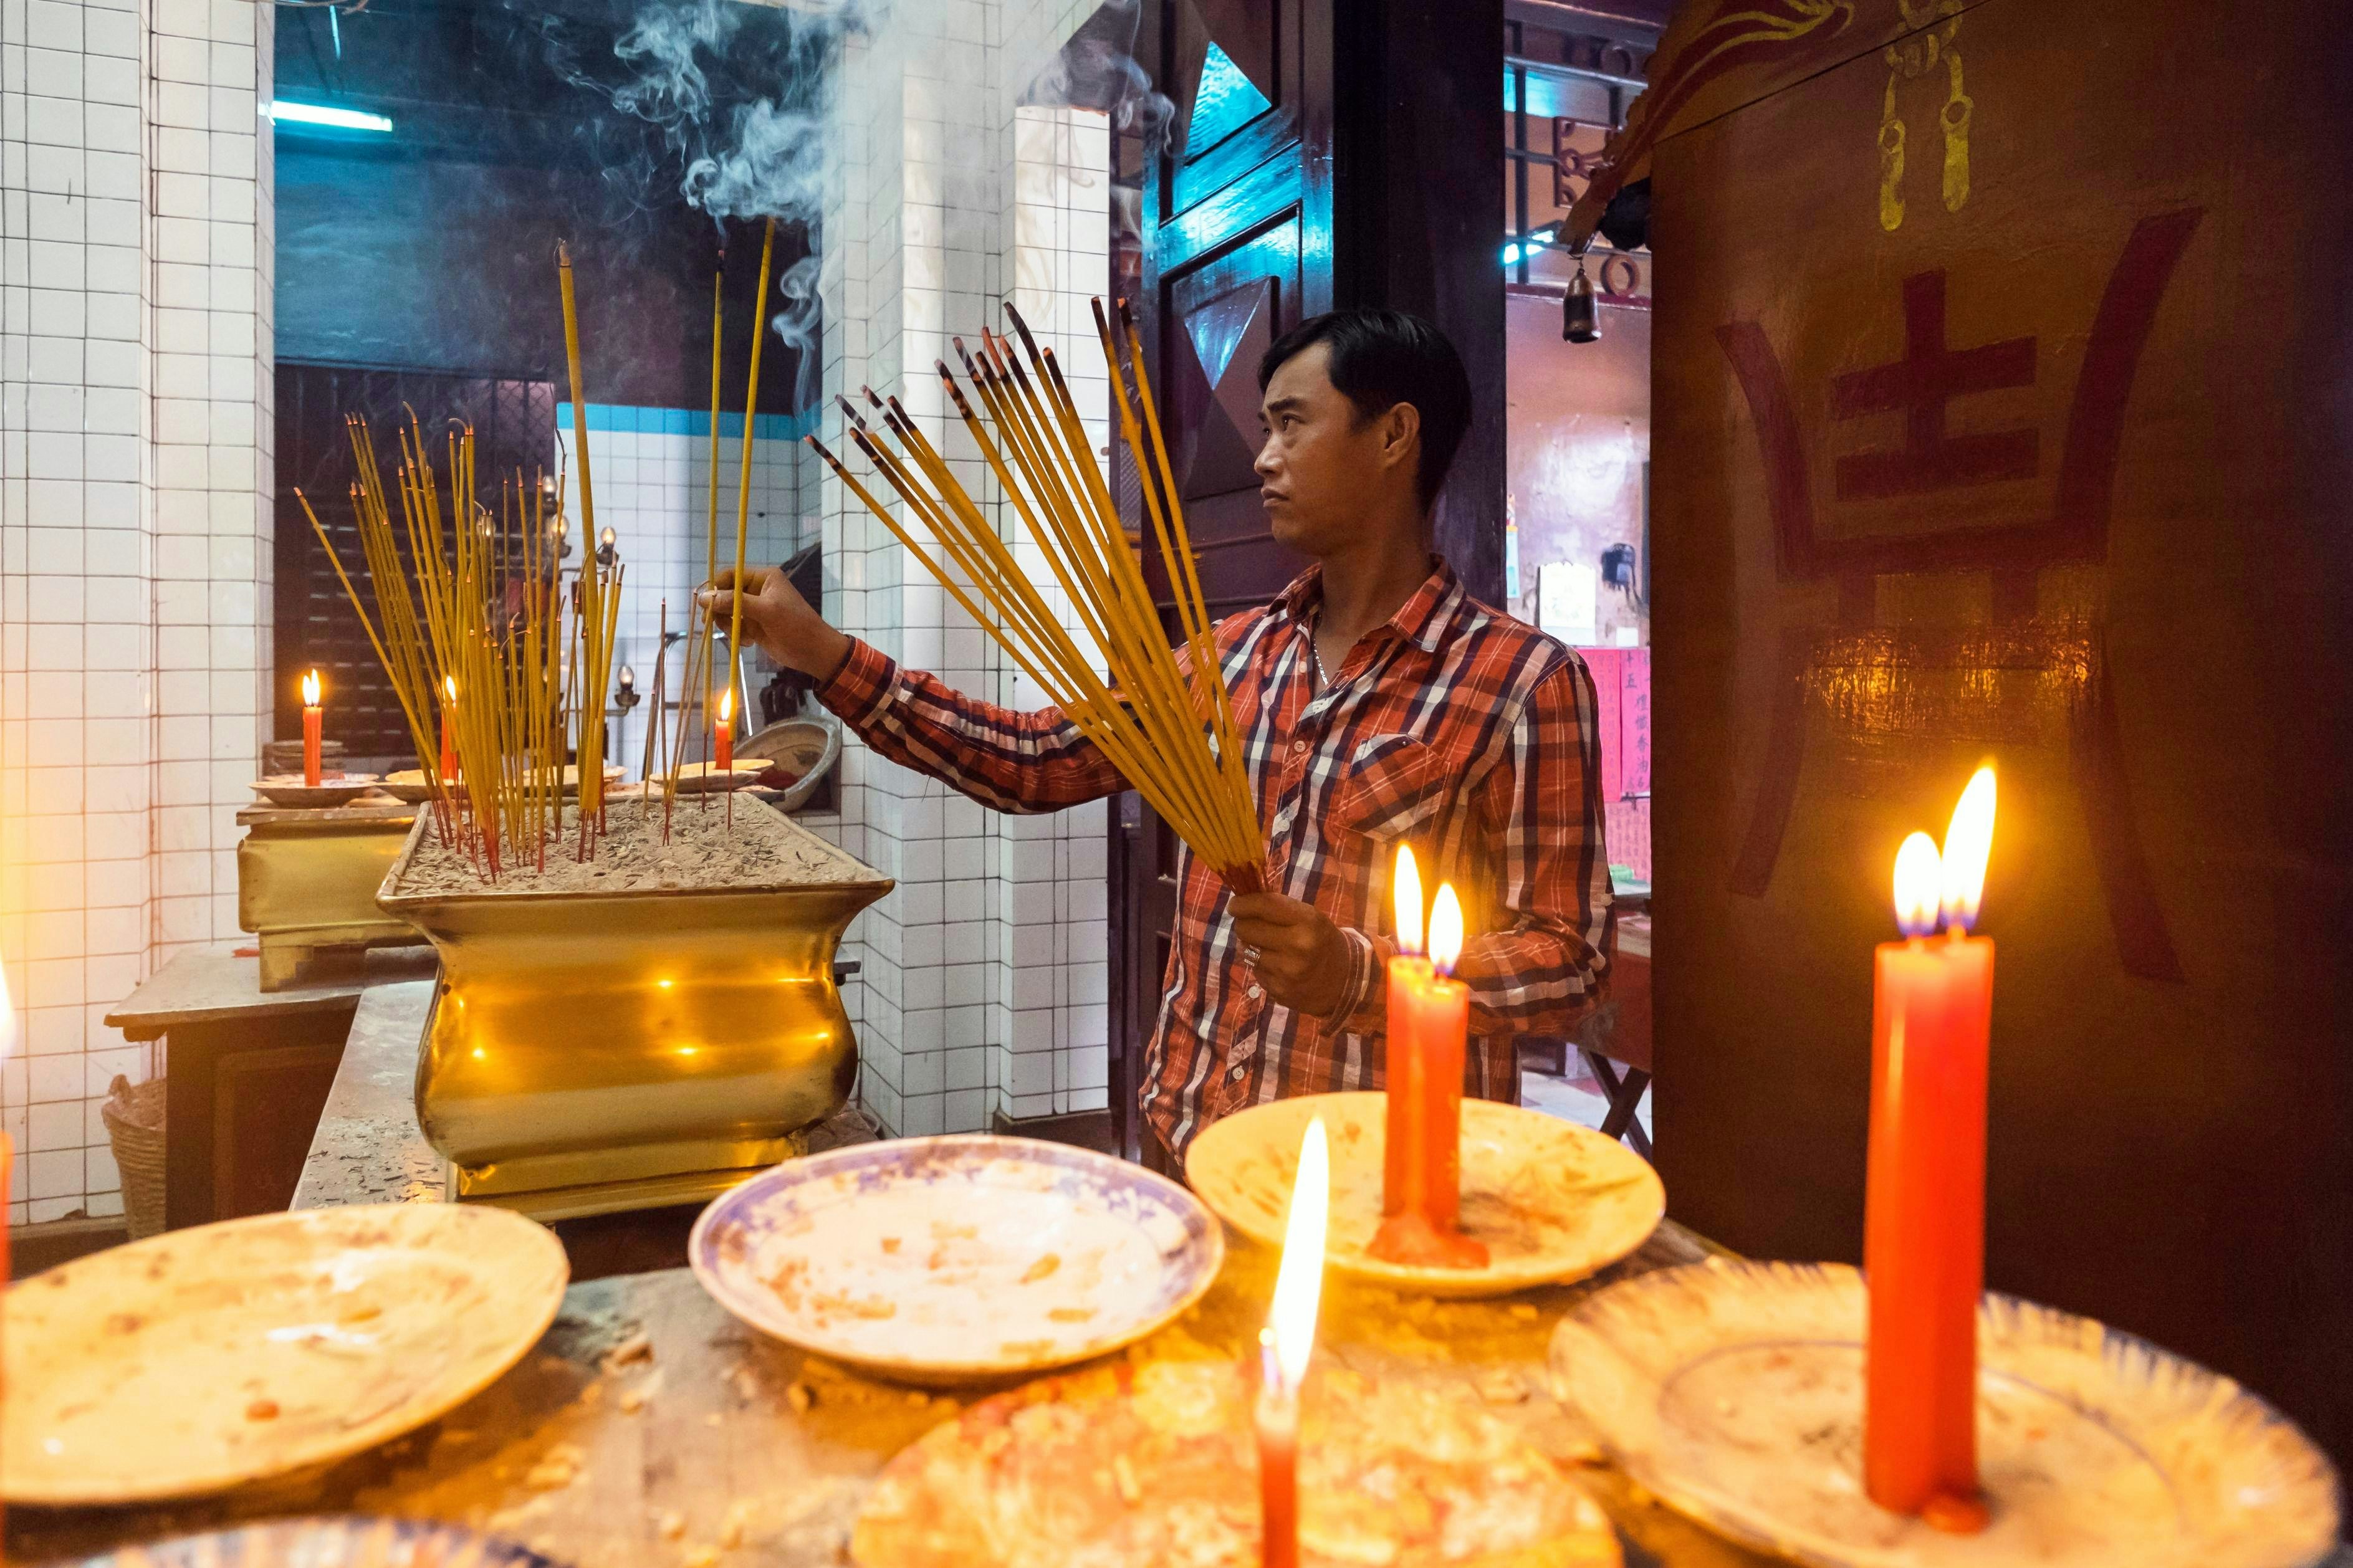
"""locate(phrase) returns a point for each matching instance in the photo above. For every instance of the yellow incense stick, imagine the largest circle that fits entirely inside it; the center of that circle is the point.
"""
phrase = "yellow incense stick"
(744, 477)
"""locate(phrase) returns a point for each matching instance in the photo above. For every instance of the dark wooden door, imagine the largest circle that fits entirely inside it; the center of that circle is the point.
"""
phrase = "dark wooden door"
(1236, 240)
(514, 430)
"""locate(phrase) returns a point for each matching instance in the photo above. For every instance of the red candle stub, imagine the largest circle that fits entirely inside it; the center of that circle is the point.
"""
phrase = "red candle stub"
(1428, 1034)
(1923, 1221)
(1285, 1346)
(311, 743)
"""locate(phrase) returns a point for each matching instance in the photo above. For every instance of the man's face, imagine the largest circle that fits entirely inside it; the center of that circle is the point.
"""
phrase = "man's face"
(1323, 465)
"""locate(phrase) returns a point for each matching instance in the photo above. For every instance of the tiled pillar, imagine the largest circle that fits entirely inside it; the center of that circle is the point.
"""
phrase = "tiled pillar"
(984, 985)
(134, 522)
(213, 231)
(1053, 1056)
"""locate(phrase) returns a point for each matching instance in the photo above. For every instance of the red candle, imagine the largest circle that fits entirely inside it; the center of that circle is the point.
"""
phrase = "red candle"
(1285, 1346)
(1407, 967)
(311, 717)
(1277, 1420)
(7, 1149)
(448, 716)
(726, 731)
(1924, 1219)
(1429, 1031)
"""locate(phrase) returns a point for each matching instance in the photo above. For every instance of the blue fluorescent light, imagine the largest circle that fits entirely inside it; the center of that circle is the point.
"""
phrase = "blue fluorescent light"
(1510, 254)
(282, 110)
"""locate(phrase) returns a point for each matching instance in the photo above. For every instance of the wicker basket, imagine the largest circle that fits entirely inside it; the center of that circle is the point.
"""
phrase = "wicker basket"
(134, 1125)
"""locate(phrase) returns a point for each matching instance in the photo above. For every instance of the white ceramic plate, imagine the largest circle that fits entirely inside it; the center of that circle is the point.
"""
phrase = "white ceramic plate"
(201, 1358)
(1551, 1200)
(955, 1259)
(1734, 1391)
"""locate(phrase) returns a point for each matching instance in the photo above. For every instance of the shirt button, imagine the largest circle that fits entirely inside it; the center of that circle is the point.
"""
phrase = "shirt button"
(1298, 747)
(1237, 1072)
(1253, 993)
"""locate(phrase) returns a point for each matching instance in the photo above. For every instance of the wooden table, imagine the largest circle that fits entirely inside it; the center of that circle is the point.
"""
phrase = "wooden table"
(718, 1449)
(246, 1073)
(366, 1147)
(602, 1462)
(596, 1464)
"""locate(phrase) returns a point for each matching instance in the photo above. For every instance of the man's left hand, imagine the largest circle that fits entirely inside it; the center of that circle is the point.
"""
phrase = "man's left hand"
(1301, 958)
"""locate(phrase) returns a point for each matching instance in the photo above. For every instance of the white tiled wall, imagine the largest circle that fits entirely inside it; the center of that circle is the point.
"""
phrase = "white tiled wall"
(135, 228)
(135, 513)
(987, 986)
(652, 470)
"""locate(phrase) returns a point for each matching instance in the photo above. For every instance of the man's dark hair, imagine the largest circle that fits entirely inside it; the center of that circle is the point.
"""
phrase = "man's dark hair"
(1379, 359)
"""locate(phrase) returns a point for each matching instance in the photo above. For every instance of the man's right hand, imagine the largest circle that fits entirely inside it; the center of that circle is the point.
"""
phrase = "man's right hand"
(784, 624)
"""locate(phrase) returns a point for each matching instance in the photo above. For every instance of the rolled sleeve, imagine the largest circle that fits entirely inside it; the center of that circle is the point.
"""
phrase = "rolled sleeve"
(859, 691)
(1005, 760)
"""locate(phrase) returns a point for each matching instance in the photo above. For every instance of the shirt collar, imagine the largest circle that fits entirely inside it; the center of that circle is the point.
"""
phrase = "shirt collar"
(1420, 620)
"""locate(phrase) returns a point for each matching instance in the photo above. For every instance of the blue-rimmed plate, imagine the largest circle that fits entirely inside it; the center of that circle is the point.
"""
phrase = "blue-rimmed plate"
(342, 1541)
(957, 1259)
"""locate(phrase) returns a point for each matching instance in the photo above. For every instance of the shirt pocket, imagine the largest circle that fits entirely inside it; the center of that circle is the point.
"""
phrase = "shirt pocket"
(1394, 787)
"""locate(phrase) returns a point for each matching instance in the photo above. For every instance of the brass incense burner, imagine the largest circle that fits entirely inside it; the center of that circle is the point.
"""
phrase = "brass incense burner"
(307, 879)
(595, 1051)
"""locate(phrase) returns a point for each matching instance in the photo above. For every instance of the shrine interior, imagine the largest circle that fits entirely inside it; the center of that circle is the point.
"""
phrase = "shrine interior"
(1907, 434)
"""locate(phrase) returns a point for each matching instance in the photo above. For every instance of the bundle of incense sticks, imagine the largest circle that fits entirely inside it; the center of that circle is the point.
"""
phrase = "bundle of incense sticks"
(719, 701)
(473, 624)
(1165, 720)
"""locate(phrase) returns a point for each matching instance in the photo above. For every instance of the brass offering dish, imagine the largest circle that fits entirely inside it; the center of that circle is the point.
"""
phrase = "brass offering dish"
(646, 1026)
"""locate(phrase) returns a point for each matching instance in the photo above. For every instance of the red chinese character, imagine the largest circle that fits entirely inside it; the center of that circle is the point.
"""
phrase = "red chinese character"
(1919, 386)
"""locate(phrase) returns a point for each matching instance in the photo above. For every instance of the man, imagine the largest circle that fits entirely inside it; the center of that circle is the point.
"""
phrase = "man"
(1381, 706)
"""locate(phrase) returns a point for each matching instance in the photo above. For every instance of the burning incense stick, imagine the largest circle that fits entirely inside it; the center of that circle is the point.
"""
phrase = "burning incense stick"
(744, 475)
(1163, 719)
(732, 686)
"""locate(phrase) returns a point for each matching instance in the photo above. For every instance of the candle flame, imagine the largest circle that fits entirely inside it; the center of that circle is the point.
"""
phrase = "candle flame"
(606, 539)
(1445, 930)
(727, 706)
(311, 689)
(1968, 842)
(1299, 1281)
(1918, 872)
(449, 687)
(1407, 890)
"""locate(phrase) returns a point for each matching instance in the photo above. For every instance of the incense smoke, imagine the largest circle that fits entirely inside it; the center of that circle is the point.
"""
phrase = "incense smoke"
(799, 324)
(741, 95)
(1096, 68)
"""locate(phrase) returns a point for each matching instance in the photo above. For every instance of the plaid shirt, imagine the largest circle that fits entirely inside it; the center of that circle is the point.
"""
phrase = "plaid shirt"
(1452, 727)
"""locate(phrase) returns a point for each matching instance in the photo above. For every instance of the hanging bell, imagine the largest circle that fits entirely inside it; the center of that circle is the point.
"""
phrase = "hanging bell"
(1580, 315)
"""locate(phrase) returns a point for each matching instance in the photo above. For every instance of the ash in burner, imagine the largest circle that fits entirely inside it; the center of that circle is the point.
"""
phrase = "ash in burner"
(764, 849)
